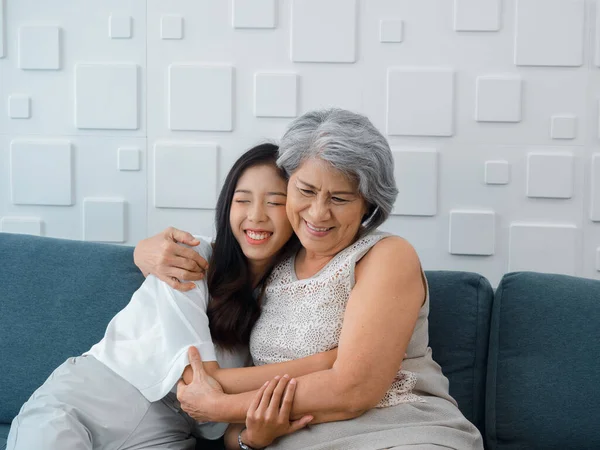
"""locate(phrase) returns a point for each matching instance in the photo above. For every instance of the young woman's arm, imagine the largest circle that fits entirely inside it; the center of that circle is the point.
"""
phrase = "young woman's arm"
(380, 317)
(244, 379)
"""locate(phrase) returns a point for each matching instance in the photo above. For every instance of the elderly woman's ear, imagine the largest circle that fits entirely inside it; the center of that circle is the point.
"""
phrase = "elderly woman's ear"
(370, 212)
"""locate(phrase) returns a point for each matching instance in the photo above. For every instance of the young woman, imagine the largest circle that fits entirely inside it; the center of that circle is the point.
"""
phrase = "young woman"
(121, 393)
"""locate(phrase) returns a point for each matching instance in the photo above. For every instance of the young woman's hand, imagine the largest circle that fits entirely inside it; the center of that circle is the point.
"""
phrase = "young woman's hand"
(269, 414)
(162, 256)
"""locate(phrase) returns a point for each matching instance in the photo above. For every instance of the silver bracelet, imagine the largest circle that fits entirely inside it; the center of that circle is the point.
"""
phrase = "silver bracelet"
(242, 445)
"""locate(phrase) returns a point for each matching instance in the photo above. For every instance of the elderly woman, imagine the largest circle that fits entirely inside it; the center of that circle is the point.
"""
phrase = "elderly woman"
(352, 287)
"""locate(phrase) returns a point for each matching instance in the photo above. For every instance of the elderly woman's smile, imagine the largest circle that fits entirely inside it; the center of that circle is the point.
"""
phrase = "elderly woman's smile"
(324, 207)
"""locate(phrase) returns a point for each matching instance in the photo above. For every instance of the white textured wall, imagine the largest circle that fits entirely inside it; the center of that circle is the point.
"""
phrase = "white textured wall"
(123, 117)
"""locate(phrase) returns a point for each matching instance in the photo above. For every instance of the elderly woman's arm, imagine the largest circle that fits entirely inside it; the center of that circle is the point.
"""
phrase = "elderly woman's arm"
(380, 318)
(163, 256)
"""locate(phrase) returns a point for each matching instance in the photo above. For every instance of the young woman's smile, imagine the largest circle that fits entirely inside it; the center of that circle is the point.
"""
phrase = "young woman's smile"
(257, 217)
(257, 237)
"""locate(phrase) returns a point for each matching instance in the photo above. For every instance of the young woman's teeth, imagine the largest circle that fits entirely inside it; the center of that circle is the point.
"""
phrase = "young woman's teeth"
(315, 228)
(257, 236)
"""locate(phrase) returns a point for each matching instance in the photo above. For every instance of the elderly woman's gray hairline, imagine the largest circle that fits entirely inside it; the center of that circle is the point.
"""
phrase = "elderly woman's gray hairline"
(338, 137)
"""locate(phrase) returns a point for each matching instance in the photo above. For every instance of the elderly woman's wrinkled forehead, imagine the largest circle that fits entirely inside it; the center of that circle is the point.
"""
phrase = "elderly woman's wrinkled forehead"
(316, 161)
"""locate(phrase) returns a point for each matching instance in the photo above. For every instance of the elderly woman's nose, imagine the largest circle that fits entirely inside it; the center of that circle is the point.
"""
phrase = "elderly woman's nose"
(319, 211)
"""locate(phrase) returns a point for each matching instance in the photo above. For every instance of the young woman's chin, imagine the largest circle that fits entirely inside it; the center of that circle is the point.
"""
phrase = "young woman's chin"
(260, 252)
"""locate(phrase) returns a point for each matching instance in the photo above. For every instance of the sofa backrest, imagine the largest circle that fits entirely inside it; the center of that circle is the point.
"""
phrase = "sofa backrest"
(56, 299)
(57, 296)
(543, 367)
(459, 321)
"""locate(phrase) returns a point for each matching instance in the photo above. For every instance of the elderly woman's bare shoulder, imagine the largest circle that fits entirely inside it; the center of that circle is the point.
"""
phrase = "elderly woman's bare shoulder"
(390, 267)
(393, 250)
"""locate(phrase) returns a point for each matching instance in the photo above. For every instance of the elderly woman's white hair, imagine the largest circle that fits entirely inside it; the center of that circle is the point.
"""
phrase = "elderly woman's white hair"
(352, 145)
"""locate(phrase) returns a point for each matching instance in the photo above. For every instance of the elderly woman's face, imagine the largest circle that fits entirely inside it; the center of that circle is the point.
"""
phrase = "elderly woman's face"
(324, 207)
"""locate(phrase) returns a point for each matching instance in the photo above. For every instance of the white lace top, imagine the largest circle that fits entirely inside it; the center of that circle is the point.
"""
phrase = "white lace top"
(303, 317)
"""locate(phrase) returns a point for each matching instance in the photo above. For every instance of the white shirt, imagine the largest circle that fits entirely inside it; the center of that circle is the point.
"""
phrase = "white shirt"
(147, 342)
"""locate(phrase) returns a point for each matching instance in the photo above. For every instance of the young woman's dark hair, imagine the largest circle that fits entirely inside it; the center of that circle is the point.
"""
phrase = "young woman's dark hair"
(233, 309)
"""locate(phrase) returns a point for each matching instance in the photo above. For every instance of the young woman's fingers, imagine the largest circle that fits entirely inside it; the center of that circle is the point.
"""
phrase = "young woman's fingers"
(275, 402)
(288, 399)
(267, 394)
(257, 398)
(299, 424)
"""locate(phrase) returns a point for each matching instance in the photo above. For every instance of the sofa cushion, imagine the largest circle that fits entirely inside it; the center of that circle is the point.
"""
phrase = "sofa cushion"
(59, 295)
(57, 298)
(4, 428)
(459, 321)
(542, 386)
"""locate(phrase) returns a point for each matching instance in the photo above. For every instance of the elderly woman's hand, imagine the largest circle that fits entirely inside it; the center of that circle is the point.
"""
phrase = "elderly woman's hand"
(199, 398)
(163, 256)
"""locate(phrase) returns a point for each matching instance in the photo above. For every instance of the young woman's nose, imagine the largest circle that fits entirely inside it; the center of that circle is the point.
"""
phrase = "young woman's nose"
(257, 212)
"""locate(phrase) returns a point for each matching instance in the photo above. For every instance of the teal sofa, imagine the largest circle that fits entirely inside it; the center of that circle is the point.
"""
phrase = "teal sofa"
(522, 362)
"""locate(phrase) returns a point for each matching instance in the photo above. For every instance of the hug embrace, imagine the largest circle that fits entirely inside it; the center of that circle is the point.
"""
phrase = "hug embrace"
(299, 326)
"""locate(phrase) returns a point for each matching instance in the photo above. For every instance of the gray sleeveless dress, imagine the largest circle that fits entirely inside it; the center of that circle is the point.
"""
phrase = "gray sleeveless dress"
(303, 317)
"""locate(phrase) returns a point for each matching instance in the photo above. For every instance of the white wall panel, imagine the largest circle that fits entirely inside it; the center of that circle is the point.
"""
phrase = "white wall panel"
(498, 99)
(254, 13)
(472, 232)
(41, 172)
(171, 26)
(416, 171)
(129, 158)
(595, 188)
(106, 96)
(477, 15)
(21, 225)
(120, 27)
(84, 38)
(275, 95)
(475, 131)
(19, 106)
(549, 32)
(200, 97)
(189, 185)
(2, 26)
(550, 175)
(95, 174)
(39, 47)
(544, 248)
(312, 36)
(104, 219)
(391, 30)
(563, 127)
(497, 172)
(420, 102)
(597, 40)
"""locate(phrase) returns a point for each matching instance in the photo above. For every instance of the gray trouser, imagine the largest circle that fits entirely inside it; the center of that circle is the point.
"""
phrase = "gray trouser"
(84, 405)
